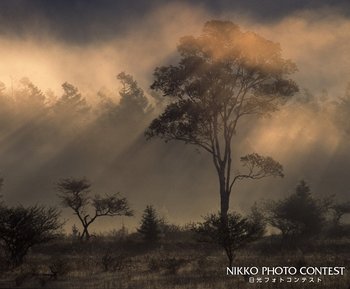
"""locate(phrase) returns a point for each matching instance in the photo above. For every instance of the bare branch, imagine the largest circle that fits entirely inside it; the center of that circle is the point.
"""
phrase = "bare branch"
(258, 167)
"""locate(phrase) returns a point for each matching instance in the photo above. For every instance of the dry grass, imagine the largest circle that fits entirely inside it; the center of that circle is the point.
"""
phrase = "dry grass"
(132, 265)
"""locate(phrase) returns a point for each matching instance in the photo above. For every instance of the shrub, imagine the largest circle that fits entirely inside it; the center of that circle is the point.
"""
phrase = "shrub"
(232, 233)
(21, 228)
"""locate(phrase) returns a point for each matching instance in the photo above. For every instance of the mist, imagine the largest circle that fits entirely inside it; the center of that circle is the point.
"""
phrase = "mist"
(41, 144)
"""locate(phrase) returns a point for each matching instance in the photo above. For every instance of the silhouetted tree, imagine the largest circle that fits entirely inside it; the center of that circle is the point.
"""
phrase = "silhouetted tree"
(223, 76)
(132, 109)
(150, 225)
(231, 234)
(298, 215)
(30, 96)
(71, 102)
(106, 107)
(74, 194)
(22, 228)
(132, 98)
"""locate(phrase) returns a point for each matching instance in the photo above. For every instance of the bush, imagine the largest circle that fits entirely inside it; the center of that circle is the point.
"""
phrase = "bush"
(21, 228)
(232, 234)
(114, 263)
(58, 267)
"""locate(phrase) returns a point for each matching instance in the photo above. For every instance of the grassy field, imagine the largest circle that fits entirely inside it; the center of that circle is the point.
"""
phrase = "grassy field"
(109, 263)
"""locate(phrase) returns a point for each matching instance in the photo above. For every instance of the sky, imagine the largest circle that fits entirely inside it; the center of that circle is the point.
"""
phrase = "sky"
(87, 43)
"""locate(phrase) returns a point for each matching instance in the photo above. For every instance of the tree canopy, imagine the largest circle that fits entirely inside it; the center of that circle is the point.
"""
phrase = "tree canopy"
(223, 75)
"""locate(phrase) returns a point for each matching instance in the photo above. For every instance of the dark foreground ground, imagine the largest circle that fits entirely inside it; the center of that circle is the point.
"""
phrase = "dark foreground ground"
(114, 263)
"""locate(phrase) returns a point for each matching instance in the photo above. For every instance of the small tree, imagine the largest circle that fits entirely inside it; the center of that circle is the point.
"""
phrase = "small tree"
(150, 225)
(298, 215)
(22, 228)
(231, 234)
(74, 194)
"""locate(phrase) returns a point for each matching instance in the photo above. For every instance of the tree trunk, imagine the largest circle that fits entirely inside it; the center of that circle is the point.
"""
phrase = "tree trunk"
(224, 197)
(224, 204)
(229, 255)
(85, 235)
(230, 261)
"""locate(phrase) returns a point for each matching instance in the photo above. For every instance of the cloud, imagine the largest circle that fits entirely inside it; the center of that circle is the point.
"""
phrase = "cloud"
(78, 21)
(143, 45)
(318, 42)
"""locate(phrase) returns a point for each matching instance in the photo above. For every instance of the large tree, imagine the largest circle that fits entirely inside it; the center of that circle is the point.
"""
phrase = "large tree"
(223, 75)
(75, 194)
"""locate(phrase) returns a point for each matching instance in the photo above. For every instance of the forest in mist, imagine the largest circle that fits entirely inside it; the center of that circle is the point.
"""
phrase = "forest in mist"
(64, 112)
(46, 137)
